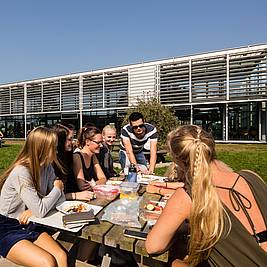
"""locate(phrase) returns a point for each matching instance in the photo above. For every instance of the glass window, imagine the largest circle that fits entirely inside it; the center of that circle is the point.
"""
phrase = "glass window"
(243, 121)
(210, 118)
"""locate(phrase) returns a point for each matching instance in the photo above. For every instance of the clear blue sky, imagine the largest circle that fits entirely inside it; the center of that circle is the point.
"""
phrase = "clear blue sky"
(55, 37)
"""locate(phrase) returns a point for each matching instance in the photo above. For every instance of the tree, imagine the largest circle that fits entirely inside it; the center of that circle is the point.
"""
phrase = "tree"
(161, 116)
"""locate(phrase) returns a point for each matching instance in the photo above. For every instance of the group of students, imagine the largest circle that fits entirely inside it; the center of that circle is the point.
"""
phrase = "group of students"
(44, 174)
(223, 213)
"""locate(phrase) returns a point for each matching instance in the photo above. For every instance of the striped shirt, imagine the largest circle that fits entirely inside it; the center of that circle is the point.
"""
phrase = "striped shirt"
(138, 144)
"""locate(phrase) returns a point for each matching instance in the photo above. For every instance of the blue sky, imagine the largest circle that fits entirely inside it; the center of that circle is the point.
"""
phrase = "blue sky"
(55, 37)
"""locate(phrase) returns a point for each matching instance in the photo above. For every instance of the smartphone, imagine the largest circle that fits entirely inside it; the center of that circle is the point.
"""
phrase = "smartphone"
(135, 234)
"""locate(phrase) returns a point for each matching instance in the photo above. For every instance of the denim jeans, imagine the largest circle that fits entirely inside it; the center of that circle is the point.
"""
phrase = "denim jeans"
(124, 161)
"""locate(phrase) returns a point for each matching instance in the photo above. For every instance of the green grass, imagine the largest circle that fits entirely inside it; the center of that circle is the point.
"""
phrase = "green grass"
(8, 153)
(252, 157)
(238, 156)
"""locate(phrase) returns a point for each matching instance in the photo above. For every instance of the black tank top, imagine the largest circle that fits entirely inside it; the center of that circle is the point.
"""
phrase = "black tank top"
(89, 172)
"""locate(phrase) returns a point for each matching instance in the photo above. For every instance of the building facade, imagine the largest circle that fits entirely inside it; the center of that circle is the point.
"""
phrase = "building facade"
(224, 92)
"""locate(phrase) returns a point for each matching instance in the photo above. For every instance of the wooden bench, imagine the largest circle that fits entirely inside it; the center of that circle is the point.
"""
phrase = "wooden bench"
(2, 141)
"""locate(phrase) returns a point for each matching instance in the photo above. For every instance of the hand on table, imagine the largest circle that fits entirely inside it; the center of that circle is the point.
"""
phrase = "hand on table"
(152, 189)
(84, 195)
(24, 217)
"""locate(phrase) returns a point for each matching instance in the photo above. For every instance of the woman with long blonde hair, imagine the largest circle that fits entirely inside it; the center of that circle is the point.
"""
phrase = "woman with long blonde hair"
(227, 212)
(29, 186)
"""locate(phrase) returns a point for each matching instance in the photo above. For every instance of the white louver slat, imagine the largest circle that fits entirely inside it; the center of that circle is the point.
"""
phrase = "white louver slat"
(174, 83)
(5, 100)
(51, 96)
(34, 97)
(248, 75)
(70, 94)
(17, 99)
(93, 92)
(115, 86)
(142, 83)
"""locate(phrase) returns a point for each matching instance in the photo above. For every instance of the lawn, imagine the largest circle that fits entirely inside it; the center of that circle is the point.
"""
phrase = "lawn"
(238, 156)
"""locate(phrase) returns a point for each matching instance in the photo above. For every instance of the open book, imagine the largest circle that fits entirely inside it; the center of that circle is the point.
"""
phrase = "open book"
(79, 217)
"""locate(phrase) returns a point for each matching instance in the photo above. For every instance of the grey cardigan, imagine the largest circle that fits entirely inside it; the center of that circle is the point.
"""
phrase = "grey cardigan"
(19, 194)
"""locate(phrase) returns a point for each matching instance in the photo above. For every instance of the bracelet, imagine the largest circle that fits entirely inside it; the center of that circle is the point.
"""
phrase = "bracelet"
(75, 195)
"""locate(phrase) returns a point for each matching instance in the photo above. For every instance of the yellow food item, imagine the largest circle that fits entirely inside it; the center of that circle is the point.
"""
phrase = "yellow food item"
(132, 195)
(150, 207)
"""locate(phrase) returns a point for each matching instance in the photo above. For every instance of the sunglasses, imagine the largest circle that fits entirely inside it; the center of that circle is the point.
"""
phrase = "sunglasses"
(97, 142)
(135, 127)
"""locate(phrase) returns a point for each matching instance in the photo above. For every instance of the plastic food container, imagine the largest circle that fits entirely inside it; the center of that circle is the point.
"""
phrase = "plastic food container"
(129, 190)
(109, 192)
(151, 210)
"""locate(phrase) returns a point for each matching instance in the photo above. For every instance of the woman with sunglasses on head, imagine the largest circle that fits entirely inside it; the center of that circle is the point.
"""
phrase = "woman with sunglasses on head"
(227, 211)
(86, 167)
(29, 187)
(65, 158)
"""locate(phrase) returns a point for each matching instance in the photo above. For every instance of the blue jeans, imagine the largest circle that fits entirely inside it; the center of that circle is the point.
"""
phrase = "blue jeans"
(124, 161)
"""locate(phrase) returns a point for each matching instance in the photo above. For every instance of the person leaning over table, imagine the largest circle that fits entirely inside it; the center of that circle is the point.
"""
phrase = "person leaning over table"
(86, 167)
(65, 158)
(227, 211)
(134, 136)
(29, 186)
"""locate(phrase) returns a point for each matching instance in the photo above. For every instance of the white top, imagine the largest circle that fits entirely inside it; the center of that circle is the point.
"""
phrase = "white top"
(18, 193)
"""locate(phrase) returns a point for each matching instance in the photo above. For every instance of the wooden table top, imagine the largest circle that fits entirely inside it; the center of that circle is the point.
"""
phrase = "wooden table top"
(112, 235)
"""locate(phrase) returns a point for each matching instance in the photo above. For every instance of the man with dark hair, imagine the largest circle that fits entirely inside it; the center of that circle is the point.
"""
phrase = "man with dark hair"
(135, 137)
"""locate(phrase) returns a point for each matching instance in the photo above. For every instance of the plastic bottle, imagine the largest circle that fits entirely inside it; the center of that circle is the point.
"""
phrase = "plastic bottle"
(132, 174)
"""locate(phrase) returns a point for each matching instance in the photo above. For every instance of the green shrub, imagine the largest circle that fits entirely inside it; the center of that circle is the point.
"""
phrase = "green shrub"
(161, 116)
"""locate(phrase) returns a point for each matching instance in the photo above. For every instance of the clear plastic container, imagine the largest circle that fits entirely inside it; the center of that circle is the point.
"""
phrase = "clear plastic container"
(109, 192)
(129, 190)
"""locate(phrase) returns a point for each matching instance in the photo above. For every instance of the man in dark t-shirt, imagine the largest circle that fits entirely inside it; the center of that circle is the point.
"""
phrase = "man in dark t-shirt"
(135, 137)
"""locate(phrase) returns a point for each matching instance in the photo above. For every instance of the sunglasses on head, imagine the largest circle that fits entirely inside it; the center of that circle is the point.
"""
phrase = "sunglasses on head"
(135, 127)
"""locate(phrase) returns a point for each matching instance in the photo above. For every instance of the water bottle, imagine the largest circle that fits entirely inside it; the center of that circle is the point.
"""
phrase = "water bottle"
(132, 174)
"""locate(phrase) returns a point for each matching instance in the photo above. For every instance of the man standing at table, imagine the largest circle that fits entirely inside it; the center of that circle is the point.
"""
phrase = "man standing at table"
(135, 137)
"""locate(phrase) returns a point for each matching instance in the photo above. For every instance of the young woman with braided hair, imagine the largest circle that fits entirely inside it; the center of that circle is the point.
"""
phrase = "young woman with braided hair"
(227, 212)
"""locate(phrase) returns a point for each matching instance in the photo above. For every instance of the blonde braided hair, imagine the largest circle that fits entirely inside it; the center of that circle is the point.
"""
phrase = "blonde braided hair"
(193, 150)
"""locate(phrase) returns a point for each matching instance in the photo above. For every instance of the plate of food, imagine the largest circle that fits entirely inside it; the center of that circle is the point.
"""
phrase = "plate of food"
(68, 207)
(152, 210)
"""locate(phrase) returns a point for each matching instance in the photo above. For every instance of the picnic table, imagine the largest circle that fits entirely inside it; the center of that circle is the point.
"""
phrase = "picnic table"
(111, 235)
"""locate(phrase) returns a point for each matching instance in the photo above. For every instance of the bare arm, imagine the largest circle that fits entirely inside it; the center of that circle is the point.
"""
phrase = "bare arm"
(83, 195)
(153, 155)
(175, 212)
(98, 171)
(129, 150)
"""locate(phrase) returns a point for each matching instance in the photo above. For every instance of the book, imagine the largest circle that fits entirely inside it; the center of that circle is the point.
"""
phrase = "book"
(79, 217)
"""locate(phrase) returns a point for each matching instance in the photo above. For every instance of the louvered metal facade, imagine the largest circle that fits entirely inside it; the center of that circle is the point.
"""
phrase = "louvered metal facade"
(223, 91)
